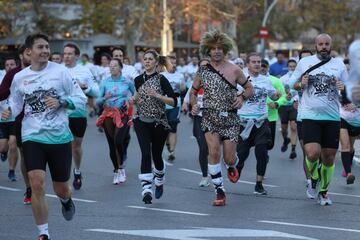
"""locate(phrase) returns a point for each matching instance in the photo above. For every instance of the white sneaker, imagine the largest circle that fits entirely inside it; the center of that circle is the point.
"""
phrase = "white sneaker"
(323, 199)
(116, 177)
(204, 182)
(121, 176)
(311, 190)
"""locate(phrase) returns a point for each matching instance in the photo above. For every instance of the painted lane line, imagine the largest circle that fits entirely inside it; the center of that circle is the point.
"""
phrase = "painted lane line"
(311, 226)
(74, 199)
(343, 194)
(10, 189)
(240, 181)
(169, 210)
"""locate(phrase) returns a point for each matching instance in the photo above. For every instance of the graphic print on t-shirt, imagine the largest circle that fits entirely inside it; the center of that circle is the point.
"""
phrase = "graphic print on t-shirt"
(259, 97)
(323, 85)
(35, 102)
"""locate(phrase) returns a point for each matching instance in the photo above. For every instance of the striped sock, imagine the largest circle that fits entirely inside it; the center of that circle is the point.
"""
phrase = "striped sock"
(146, 180)
(216, 177)
(159, 176)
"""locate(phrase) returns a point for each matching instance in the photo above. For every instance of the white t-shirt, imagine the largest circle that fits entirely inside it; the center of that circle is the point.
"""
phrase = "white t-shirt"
(285, 81)
(255, 107)
(129, 72)
(352, 117)
(176, 80)
(354, 74)
(320, 98)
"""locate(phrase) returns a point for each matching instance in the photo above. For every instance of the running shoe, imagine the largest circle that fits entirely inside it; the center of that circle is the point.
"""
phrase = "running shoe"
(220, 197)
(233, 174)
(100, 129)
(121, 176)
(27, 196)
(323, 199)
(12, 176)
(171, 156)
(159, 190)
(204, 182)
(44, 237)
(116, 178)
(259, 190)
(68, 209)
(147, 198)
(311, 190)
(3, 156)
(284, 147)
(77, 183)
(292, 155)
(350, 179)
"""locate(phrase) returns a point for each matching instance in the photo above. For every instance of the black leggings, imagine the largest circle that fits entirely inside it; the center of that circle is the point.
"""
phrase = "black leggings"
(203, 148)
(151, 138)
(116, 138)
(261, 154)
(272, 126)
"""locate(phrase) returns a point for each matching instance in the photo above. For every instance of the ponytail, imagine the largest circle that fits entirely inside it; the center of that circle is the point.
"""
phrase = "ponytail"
(163, 62)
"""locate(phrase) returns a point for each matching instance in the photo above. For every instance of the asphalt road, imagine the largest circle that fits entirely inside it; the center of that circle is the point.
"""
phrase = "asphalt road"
(105, 211)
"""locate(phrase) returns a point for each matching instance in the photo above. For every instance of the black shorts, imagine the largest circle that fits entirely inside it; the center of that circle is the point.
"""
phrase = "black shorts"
(57, 156)
(7, 129)
(261, 135)
(324, 132)
(78, 126)
(18, 134)
(299, 130)
(287, 114)
(173, 117)
(353, 131)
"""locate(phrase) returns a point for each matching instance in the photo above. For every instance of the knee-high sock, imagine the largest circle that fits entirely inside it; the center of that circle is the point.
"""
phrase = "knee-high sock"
(326, 176)
(313, 168)
(146, 180)
(346, 161)
(216, 177)
(159, 176)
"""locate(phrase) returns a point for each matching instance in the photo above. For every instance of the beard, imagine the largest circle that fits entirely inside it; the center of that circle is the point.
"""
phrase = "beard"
(323, 54)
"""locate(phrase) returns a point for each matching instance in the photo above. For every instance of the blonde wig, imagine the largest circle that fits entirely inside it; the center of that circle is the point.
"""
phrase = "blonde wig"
(215, 38)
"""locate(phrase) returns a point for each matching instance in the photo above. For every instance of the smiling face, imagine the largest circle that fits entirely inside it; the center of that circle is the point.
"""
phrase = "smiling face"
(40, 51)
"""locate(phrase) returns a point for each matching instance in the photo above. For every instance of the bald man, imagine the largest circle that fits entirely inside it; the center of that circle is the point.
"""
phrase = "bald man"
(320, 113)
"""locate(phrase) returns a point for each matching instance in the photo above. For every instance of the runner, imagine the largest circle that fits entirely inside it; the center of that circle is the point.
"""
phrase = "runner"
(288, 113)
(254, 128)
(56, 57)
(45, 89)
(221, 101)
(150, 122)
(4, 94)
(77, 117)
(319, 77)
(115, 118)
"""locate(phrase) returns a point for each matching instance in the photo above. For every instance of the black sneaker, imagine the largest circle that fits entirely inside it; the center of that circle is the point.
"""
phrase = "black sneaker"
(11, 176)
(284, 147)
(27, 196)
(147, 198)
(68, 209)
(3, 156)
(293, 155)
(44, 237)
(220, 199)
(259, 190)
(159, 190)
(77, 181)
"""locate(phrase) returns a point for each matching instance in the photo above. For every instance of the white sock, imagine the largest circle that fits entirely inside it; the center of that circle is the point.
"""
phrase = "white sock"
(77, 171)
(43, 229)
(63, 200)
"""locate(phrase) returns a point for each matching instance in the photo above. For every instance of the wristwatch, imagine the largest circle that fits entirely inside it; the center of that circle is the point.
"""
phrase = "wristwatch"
(62, 102)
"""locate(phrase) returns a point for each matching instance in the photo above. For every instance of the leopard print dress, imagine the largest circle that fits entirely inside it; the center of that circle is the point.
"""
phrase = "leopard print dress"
(150, 107)
(219, 94)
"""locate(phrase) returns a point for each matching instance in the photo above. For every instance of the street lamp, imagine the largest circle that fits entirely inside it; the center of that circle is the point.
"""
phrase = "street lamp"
(263, 30)
(166, 33)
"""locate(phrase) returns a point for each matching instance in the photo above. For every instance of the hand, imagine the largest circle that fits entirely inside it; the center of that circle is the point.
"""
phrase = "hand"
(238, 102)
(272, 105)
(107, 96)
(51, 102)
(296, 105)
(6, 114)
(340, 85)
(195, 109)
(356, 92)
(152, 93)
(305, 79)
(350, 107)
(184, 107)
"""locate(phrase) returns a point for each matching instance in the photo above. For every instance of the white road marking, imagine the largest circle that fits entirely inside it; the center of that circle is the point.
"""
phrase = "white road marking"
(203, 233)
(74, 199)
(343, 194)
(10, 189)
(240, 181)
(169, 210)
(311, 226)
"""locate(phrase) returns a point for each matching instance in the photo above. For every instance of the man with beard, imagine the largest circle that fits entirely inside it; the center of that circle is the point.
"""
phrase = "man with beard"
(4, 94)
(220, 121)
(319, 77)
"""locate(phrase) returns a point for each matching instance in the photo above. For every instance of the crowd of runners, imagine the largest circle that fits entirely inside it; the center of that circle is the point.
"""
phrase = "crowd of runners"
(235, 103)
